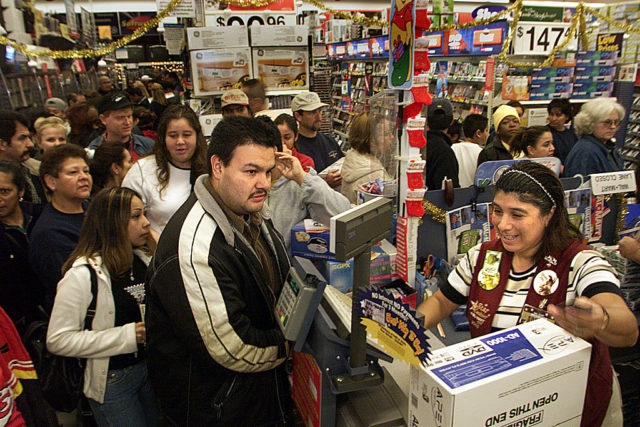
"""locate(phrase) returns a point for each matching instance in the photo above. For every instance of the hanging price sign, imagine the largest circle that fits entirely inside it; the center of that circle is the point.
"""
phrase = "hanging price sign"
(539, 38)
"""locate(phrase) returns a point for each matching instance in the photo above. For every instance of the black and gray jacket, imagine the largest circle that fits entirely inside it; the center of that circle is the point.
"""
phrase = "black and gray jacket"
(215, 351)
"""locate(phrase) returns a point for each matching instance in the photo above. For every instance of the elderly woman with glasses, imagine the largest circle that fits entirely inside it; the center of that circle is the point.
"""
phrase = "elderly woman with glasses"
(595, 151)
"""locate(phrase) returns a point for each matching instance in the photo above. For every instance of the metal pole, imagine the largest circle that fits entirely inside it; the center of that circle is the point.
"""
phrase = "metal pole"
(361, 273)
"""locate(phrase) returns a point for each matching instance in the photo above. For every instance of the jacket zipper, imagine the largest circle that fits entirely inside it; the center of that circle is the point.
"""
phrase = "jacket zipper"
(219, 403)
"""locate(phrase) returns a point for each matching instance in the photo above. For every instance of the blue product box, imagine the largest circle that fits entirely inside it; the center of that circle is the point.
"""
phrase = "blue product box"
(552, 75)
(310, 239)
(594, 74)
(596, 57)
(340, 274)
(592, 90)
(543, 91)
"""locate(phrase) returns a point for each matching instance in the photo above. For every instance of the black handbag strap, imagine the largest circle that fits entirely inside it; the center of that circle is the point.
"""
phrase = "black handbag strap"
(91, 310)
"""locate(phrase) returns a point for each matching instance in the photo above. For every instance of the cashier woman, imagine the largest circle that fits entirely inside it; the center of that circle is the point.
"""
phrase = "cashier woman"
(538, 267)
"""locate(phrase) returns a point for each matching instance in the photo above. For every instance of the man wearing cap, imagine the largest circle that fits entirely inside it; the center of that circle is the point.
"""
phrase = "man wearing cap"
(116, 114)
(56, 106)
(441, 160)
(507, 124)
(235, 103)
(324, 150)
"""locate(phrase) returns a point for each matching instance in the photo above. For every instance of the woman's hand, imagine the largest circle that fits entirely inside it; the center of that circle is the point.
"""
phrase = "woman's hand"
(605, 316)
(290, 167)
(630, 248)
(141, 333)
(584, 319)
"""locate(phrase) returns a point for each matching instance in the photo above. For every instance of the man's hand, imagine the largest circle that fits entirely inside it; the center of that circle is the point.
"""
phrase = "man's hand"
(333, 178)
(141, 333)
(290, 167)
(630, 248)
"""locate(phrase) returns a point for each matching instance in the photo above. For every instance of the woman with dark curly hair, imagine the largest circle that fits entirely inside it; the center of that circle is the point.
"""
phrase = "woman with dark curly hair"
(164, 179)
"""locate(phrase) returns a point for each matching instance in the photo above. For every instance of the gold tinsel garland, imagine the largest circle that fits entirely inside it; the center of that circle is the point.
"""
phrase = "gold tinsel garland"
(85, 53)
(434, 212)
(347, 15)
(626, 27)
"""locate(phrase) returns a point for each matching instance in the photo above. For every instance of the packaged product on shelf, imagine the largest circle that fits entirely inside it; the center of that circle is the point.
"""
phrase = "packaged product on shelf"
(217, 37)
(515, 87)
(552, 74)
(281, 69)
(217, 70)
(592, 89)
(541, 91)
(594, 74)
(279, 35)
(596, 57)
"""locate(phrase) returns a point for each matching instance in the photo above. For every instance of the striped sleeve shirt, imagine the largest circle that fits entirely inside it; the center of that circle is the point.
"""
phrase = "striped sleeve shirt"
(589, 275)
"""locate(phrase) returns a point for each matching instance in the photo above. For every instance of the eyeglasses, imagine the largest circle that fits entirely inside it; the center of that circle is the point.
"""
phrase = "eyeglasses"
(610, 122)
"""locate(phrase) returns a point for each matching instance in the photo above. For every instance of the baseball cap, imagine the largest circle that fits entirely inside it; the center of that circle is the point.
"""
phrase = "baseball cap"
(56, 103)
(440, 106)
(145, 78)
(502, 112)
(113, 101)
(306, 101)
(234, 97)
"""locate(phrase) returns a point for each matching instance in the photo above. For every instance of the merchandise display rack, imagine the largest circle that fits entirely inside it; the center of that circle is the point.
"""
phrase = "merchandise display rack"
(631, 150)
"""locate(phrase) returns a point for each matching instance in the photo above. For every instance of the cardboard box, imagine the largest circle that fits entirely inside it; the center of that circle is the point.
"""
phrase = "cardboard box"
(592, 89)
(383, 268)
(552, 74)
(279, 35)
(218, 70)
(217, 37)
(532, 375)
(550, 91)
(594, 74)
(597, 57)
(282, 69)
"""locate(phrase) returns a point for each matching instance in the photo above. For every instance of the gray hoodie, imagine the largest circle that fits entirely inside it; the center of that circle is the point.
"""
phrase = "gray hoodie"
(290, 203)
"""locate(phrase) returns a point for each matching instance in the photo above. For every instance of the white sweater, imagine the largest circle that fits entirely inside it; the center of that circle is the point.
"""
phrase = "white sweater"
(142, 178)
(65, 335)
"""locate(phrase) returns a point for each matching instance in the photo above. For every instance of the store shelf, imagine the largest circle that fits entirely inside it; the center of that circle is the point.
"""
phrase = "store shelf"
(632, 147)
(472, 102)
(631, 159)
(342, 134)
(632, 133)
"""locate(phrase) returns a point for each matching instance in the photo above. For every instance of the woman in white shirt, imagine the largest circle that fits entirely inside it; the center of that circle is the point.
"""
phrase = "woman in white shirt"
(114, 247)
(165, 178)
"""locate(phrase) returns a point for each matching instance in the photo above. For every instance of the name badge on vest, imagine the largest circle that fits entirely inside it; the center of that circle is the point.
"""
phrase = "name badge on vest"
(489, 276)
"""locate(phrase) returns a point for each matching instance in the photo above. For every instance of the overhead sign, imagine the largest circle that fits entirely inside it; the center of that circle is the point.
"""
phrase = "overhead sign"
(546, 14)
(184, 9)
(613, 182)
(539, 38)
(131, 21)
(486, 11)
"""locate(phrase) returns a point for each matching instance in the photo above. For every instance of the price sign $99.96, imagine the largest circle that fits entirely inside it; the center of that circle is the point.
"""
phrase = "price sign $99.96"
(539, 38)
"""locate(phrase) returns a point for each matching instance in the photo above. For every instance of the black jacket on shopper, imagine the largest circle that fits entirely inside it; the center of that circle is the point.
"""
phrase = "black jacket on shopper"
(441, 161)
(215, 351)
(494, 150)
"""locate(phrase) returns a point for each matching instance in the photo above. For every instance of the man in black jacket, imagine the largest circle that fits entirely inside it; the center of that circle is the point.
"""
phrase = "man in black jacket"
(215, 349)
(441, 160)
(507, 124)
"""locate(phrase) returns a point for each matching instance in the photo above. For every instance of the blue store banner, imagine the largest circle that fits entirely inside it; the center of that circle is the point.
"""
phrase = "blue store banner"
(489, 172)
(480, 40)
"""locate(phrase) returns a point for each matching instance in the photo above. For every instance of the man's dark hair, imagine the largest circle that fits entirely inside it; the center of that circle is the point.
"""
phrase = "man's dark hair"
(255, 88)
(232, 132)
(173, 76)
(54, 157)
(273, 130)
(8, 126)
(473, 123)
(515, 104)
(563, 105)
(455, 129)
